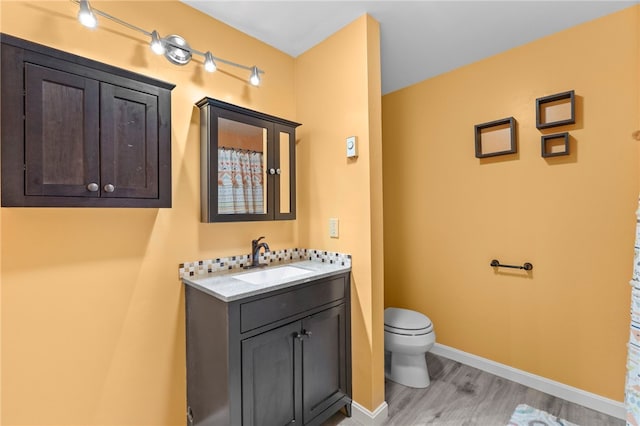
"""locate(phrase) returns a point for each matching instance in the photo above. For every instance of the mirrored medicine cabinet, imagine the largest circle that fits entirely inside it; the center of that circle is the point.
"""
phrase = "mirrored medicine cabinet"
(247, 164)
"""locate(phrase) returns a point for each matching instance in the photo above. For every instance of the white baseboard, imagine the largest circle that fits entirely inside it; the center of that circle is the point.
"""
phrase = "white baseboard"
(368, 418)
(560, 390)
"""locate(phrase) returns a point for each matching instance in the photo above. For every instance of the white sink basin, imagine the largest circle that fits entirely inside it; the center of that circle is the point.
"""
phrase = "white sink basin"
(264, 276)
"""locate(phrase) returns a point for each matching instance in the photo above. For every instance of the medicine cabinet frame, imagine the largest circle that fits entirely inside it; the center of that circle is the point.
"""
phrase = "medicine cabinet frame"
(279, 174)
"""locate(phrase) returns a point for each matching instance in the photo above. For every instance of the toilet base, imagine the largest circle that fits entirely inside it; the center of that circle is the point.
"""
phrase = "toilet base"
(407, 370)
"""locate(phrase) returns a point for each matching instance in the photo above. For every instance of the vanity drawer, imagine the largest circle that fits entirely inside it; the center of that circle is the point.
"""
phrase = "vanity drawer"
(264, 311)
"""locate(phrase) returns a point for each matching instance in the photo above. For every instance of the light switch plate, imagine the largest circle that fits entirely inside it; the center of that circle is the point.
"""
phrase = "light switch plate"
(333, 227)
(352, 147)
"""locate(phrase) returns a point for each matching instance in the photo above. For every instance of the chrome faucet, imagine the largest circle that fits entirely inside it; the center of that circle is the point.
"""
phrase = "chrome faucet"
(255, 252)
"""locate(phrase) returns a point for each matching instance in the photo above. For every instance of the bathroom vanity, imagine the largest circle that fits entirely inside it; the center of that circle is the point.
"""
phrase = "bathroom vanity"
(269, 346)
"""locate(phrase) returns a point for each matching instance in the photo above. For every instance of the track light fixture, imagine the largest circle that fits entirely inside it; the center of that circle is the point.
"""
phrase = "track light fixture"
(173, 47)
(156, 44)
(209, 63)
(255, 76)
(86, 16)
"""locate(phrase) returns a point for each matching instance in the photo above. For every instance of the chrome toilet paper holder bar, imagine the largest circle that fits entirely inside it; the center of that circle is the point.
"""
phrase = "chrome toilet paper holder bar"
(526, 266)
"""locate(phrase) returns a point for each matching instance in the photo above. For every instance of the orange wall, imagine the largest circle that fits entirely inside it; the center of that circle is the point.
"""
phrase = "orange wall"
(338, 95)
(447, 214)
(92, 309)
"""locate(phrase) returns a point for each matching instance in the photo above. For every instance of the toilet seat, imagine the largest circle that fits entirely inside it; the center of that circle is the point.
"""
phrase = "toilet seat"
(405, 332)
(406, 322)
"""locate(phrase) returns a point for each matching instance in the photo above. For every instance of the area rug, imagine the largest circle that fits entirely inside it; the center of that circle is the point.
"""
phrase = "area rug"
(529, 416)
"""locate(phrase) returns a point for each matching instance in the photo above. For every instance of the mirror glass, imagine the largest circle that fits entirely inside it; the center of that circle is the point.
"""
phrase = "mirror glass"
(241, 168)
(285, 197)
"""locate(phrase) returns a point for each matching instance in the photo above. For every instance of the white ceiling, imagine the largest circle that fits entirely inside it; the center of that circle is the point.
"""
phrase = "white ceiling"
(419, 39)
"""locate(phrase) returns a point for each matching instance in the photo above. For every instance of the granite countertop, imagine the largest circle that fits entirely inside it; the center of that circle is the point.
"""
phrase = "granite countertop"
(224, 285)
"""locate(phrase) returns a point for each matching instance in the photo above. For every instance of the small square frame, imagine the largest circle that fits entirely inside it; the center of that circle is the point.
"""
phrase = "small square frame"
(556, 110)
(549, 145)
(496, 138)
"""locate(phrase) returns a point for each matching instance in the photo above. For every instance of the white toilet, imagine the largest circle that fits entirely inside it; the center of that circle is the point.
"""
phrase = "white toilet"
(408, 336)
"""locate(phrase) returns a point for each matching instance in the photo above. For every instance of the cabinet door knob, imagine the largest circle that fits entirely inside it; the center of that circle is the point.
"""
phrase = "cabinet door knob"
(277, 171)
(300, 336)
(109, 188)
(272, 171)
(93, 187)
(189, 416)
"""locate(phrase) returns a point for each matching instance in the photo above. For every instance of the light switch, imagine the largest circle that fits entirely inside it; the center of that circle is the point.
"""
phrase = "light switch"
(333, 227)
(352, 147)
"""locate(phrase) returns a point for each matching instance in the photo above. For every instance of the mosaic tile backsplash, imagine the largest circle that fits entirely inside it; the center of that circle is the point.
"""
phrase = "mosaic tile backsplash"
(202, 267)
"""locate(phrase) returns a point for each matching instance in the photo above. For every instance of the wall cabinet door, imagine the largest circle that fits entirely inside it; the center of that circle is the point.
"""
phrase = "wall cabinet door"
(129, 143)
(61, 134)
(271, 378)
(284, 187)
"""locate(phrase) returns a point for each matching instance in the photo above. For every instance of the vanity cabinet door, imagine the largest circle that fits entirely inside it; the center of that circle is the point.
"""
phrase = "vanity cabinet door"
(324, 363)
(271, 379)
(61, 134)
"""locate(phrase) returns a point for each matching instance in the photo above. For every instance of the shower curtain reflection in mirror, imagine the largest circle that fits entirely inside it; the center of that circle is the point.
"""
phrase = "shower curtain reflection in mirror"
(240, 179)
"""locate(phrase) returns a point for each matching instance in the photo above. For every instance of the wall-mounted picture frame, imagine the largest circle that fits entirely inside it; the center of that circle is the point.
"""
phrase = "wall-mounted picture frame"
(555, 145)
(556, 110)
(496, 138)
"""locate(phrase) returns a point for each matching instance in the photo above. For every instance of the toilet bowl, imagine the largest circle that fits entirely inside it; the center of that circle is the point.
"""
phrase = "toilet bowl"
(408, 336)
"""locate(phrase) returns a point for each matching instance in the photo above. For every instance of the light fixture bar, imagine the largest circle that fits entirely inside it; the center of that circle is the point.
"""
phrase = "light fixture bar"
(224, 61)
(116, 20)
(255, 71)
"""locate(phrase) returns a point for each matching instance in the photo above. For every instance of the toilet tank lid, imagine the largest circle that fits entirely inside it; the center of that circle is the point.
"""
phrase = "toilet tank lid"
(405, 318)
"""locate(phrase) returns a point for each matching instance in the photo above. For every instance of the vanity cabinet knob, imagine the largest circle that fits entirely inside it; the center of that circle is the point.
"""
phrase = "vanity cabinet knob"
(93, 187)
(109, 188)
(302, 335)
(189, 416)
(278, 171)
(272, 171)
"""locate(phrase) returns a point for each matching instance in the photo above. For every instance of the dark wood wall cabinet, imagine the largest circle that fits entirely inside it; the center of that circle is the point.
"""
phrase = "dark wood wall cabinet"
(79, 133)
(279, 358)
(232, 191)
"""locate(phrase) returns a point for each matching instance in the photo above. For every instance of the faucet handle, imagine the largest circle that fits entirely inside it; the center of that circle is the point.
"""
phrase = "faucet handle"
(257, 241)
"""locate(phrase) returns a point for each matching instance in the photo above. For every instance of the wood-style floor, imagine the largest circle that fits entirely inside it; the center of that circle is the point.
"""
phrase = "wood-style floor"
(460, 395)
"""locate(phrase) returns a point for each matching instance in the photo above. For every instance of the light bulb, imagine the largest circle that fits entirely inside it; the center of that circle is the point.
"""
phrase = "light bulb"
(209, 63)
(86, 16)
(156, 43)
(255, 76)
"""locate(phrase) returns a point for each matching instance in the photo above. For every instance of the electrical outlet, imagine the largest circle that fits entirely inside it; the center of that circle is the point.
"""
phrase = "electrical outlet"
(333, 227)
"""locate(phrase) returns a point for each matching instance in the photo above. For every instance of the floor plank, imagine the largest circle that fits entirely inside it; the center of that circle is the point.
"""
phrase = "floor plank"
(460, 395)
